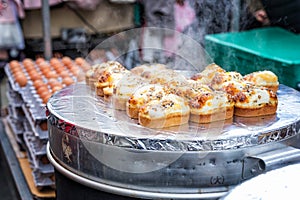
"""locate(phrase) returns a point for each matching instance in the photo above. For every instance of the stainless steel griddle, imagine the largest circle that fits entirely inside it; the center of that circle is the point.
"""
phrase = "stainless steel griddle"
(100, 147)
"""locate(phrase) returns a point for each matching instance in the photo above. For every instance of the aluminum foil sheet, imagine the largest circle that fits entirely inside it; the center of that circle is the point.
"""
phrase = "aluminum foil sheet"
(75, 110)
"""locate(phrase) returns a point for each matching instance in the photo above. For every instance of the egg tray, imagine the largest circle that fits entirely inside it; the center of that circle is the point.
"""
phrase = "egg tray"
(11, 80)
(16, 113)
(35, 124)
(37, 151)
(16, 125)
(27, 95)
(13, 97)
(34, 107)
(43, 182)
(18, 130)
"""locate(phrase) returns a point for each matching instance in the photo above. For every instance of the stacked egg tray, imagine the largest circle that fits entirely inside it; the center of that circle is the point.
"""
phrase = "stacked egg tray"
(27, 112)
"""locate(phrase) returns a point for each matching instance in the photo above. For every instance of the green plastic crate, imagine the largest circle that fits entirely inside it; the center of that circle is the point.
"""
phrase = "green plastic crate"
(272, 49)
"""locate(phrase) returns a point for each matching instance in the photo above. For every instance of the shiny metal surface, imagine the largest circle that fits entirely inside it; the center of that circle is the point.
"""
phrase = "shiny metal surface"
(96, 120)
(130, 192)
(90, 139)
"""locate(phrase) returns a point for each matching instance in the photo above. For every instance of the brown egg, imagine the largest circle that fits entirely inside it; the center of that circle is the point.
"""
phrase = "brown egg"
(68, 81)
(46, 98)
(66, 60)
(79, 61)
(14, 64)
(21, 80)
(45, 70)
(44, 93)
(51, 74)
(53, 61)
(29, 67)
(27, 61)
(34, 75)
(64, 74)
(75, 70)
(54, 82)
(59, 69)
(38, 83)
(56, 88)
(18, 73)
(43, 65)
(38, 61)
(42, 89)
(16, 69)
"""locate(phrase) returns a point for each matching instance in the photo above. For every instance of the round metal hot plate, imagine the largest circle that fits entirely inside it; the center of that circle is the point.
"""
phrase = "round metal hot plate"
(89, 138)
(92, 118)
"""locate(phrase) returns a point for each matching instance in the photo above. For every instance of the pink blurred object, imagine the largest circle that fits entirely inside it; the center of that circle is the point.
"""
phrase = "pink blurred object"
(184, 16)
(36, 4)
(11, 10)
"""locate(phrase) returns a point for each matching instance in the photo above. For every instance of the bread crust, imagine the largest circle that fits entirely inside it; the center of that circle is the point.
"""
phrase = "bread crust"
(132, 112)
(99, 91)
(274, 88)
(171, 120)
(212, 117)
(255, 112)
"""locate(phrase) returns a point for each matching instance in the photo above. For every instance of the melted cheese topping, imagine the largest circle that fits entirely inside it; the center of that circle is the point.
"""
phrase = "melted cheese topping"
(167, 105)
(222, 79)
(114, 80)
(255, 98)
(128, 84)
(210, 102)
(145, 94)
(262, 78)
(208, 73)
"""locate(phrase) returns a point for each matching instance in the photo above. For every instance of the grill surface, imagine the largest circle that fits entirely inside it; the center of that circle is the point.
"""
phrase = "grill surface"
(102, 148)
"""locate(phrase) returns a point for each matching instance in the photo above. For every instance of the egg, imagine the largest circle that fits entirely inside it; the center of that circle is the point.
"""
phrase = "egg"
(45, 70)
(21, 80)
(75, 70)
(42, 89)
(34, 75)
(66, 60)
(44, 93)
(64, 74)
(56, 88)
(39, 60)
(67, 81)
(38, 83)
(46, 98)
(18, 73)
(16, 69)
(27, 61)
(14, 64)
(51, 74)
(54, 82)
(59, 69)
(29, 67)
(79, 61)
(43, 65)
(54, 61)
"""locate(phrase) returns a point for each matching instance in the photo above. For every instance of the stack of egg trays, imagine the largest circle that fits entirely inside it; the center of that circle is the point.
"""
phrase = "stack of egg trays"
(33, 137)
(43, 171)
(35, 112)
(16, 116)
